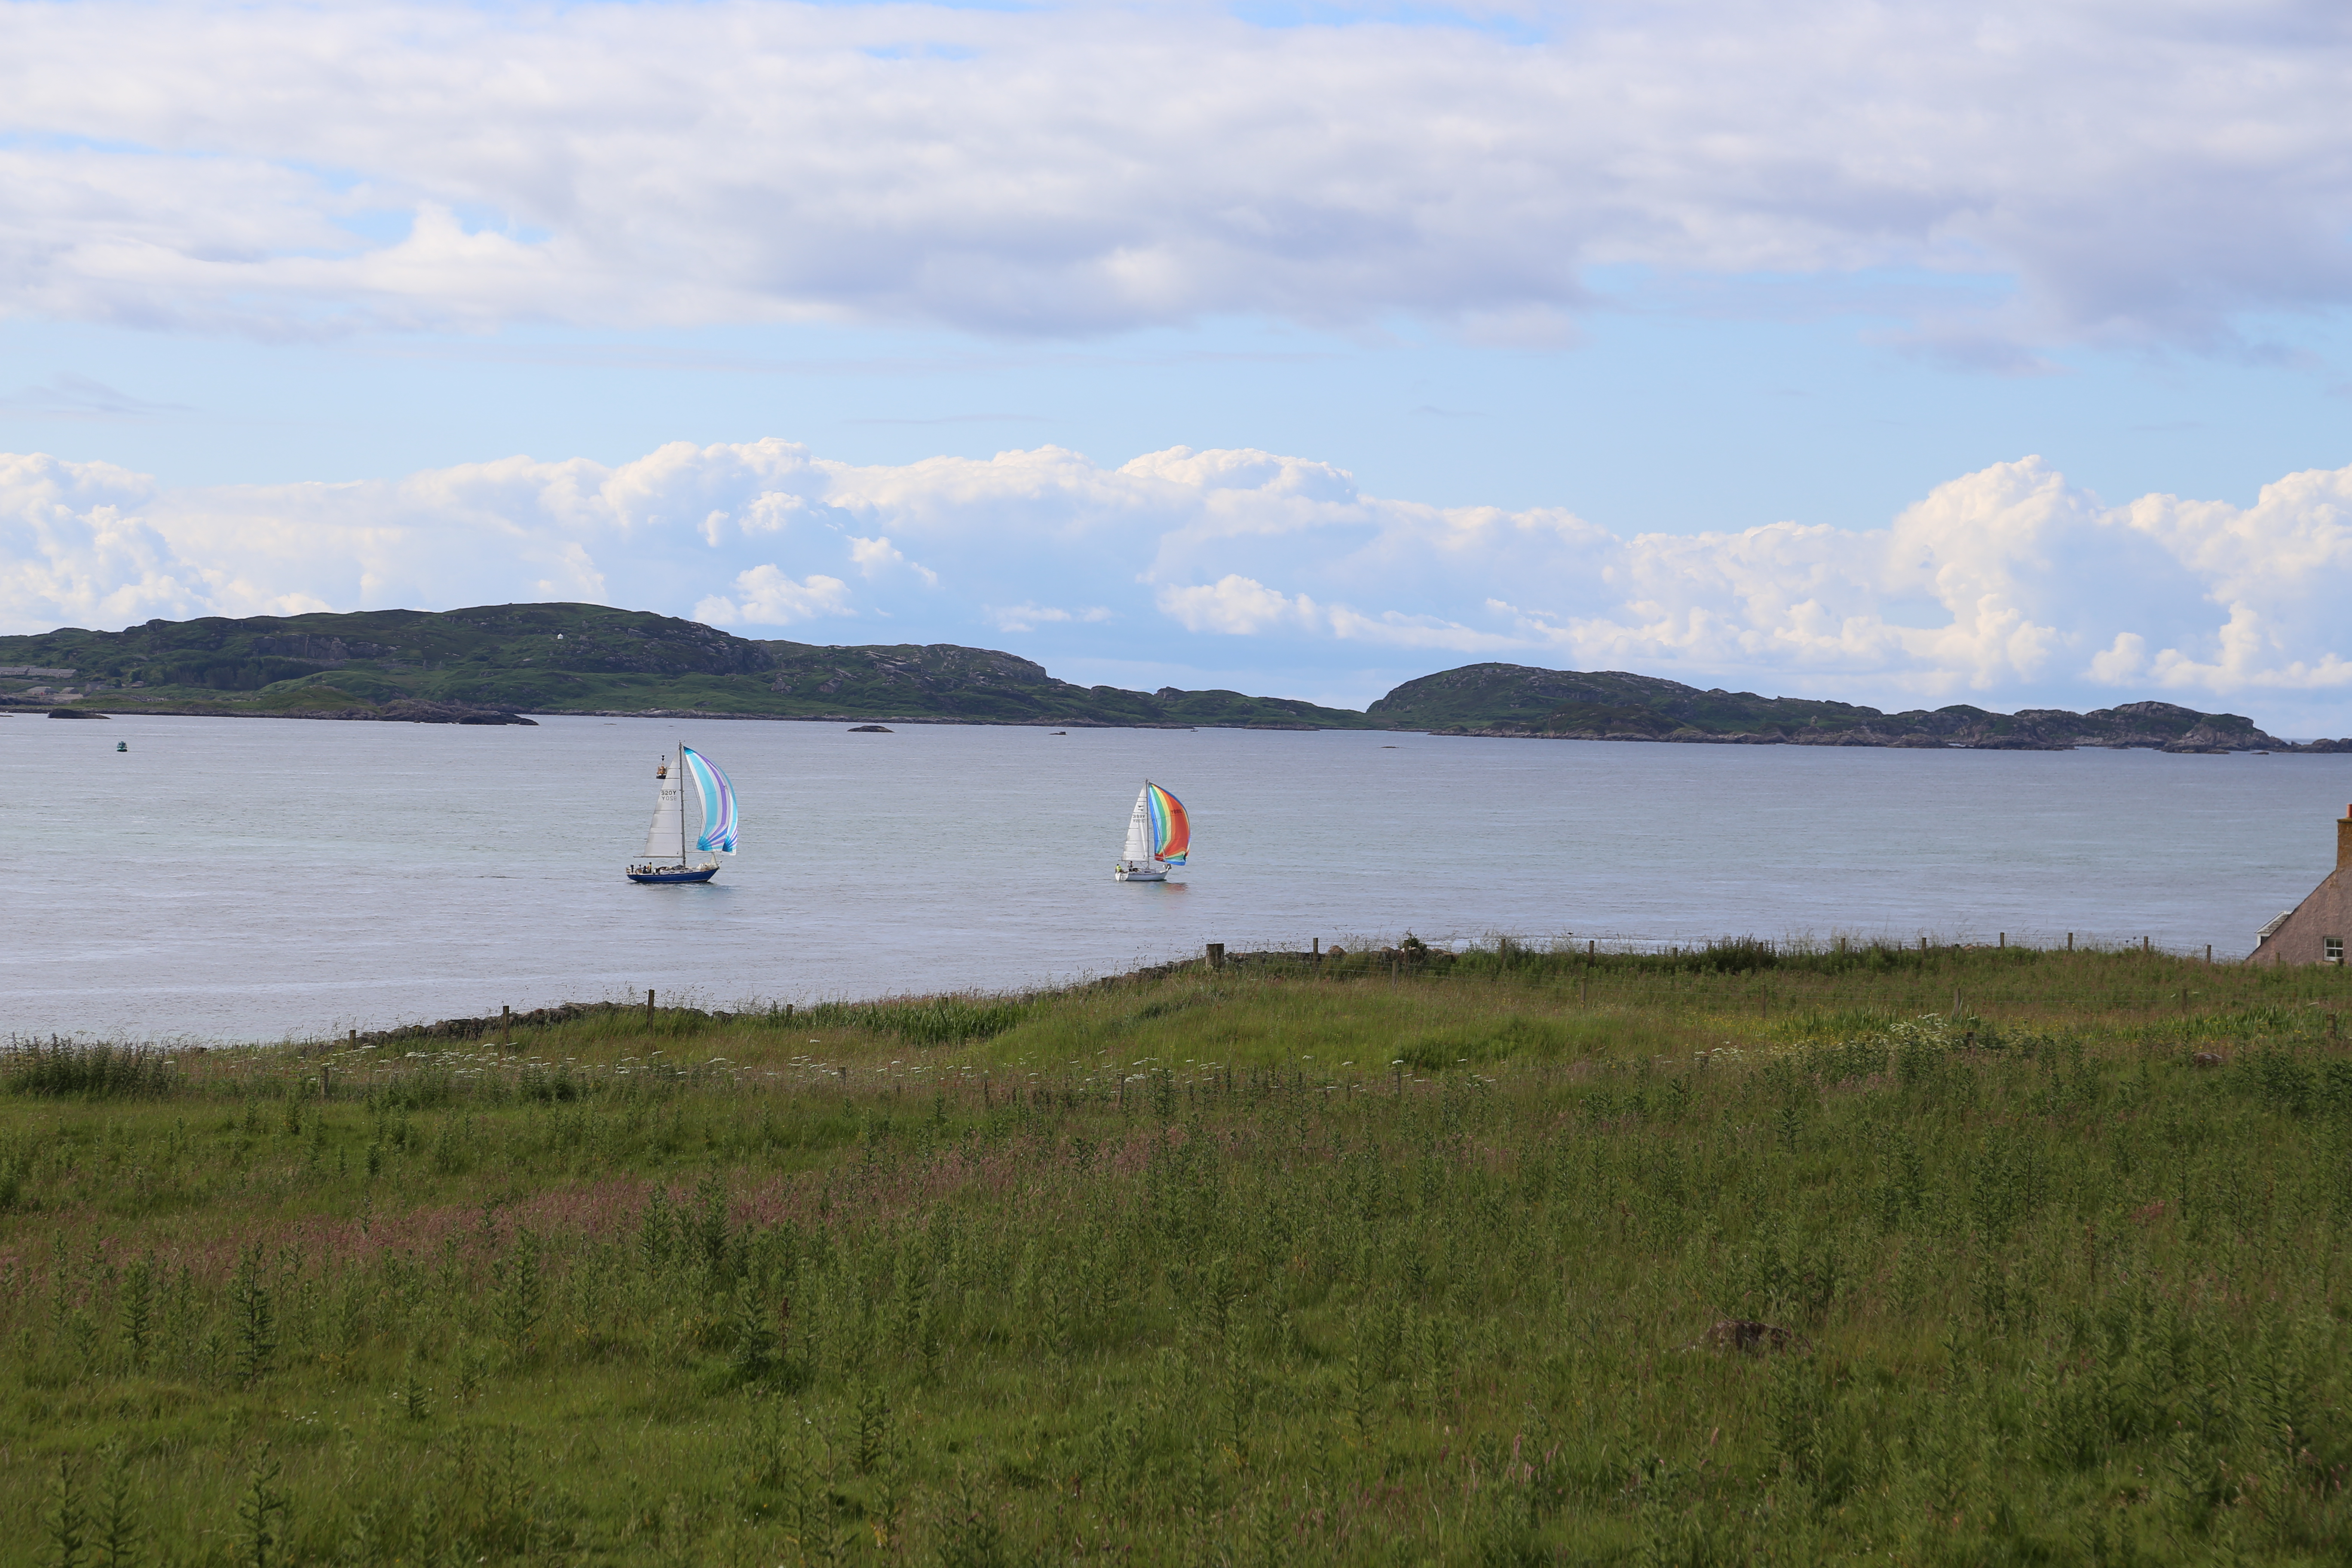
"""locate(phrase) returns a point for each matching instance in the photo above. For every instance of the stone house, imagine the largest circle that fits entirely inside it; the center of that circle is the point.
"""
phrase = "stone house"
(2314, 931)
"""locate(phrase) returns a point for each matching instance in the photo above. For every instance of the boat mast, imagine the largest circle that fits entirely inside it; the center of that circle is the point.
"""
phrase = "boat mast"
(681, 804)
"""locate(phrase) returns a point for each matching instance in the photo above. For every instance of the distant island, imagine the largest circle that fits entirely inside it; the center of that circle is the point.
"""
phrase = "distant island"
(1513, 699)
(494, 663)
(470, 666)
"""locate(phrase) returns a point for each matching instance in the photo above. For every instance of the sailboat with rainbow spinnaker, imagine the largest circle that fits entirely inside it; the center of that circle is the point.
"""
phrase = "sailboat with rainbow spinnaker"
(1158, 834)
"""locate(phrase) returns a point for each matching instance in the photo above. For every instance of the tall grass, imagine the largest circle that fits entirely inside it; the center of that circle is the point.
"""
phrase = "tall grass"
(921, 1021)
(72, 1069)
(1305, 1265)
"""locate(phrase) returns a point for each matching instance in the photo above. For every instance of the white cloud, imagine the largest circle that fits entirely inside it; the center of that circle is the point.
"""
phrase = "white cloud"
(765, 596)
(76, 553)
(1239, 606)
(2121, 660)
(2146, 171)
(771, 512)
(879, 557)
(71, 396)
(1029, 617)
(2004, 587)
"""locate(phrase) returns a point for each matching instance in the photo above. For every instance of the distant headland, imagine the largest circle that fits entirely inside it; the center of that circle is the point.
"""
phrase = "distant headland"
(1511, 700)
(469, 665)
(494, 663)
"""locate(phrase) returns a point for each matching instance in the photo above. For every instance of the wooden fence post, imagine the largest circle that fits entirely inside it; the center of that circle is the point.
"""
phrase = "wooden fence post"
(649, 1009)
(1216, 955)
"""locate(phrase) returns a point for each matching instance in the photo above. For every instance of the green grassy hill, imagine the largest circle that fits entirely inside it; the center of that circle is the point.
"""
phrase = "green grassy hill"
(565, 658)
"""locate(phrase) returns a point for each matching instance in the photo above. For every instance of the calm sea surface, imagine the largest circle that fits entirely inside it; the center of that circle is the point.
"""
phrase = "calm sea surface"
(257, 878)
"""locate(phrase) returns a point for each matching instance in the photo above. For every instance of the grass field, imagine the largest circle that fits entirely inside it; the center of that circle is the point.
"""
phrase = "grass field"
(1352, 1262)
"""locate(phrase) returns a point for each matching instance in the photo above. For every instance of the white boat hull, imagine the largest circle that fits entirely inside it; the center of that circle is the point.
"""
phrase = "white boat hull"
(1141, 873)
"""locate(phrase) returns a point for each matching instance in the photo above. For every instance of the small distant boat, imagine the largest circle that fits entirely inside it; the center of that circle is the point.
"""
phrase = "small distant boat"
(1158, 834)
(665, 858)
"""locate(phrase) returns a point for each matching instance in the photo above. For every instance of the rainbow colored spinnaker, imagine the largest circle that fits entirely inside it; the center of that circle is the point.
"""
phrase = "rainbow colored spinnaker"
(719, 803)
(1172, 830)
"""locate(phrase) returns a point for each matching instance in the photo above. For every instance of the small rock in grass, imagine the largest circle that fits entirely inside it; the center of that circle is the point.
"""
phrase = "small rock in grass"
(1752, 1338)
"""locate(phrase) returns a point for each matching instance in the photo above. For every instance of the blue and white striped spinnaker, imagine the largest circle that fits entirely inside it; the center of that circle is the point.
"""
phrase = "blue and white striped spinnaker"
(717, 801)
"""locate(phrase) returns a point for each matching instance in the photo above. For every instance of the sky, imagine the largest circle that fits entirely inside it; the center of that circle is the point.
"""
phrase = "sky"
(1904, 353)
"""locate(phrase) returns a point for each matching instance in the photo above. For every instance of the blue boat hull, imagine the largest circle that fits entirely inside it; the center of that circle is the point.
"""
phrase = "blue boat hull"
(680, 875)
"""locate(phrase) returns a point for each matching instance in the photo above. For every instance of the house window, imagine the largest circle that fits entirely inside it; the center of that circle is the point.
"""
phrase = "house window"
(2331, 950)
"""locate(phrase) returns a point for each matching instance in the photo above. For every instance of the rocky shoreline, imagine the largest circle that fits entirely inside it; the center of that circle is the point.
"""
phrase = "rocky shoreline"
(402, 711)
(2185, 746)
(896, 719)
(2133, 726)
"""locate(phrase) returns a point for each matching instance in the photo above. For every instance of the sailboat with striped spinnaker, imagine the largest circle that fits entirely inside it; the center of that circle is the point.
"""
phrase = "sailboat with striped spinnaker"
(665, 858)
(1158, 834)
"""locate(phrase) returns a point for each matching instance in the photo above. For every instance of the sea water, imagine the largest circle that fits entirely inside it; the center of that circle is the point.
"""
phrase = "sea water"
(230, 879)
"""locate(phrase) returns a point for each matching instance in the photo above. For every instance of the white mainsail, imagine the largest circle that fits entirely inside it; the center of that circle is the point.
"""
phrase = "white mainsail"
(666, 839)
(1138, 829)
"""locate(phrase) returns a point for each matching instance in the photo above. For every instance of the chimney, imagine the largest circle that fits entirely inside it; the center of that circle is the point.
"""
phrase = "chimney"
(2343, 841)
